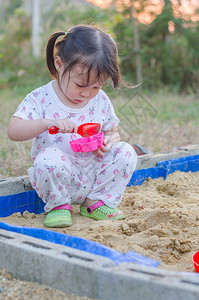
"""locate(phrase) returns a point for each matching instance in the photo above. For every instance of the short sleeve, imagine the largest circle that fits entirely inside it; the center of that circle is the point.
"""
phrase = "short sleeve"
(28, 109)
(110, 119)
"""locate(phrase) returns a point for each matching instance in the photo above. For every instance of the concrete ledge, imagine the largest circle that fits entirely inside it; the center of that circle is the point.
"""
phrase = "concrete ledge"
(150, 160)
(57, 266)
(14, 185)
(131, 281)
(85, 274)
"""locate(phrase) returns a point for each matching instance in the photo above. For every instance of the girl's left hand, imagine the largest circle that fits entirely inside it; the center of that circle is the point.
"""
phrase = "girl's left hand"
(101, 151)
(110, 137)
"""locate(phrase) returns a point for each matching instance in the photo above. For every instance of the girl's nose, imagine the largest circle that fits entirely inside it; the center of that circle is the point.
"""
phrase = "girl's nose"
(85, 93)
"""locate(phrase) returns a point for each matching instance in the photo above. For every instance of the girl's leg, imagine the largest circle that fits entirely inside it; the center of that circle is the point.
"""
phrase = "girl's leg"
(113, 174)
(56, 179)
(59, 179)
(49, 176)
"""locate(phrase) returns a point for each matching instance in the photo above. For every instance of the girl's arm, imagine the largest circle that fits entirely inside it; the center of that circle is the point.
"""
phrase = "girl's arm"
(22, 130)
(110, 137)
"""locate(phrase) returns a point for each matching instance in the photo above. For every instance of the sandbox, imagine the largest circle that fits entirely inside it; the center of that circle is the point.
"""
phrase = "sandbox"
(162, 220)
(160, 229)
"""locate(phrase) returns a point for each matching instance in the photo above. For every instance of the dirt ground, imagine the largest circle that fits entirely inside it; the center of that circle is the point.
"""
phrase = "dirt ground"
(11, 288)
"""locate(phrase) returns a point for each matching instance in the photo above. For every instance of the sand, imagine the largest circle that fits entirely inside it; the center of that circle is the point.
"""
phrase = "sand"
(162, 222)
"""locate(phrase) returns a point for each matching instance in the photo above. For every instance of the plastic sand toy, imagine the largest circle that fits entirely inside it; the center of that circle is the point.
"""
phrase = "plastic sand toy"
(196, 261)
(88, 144)
(84, 130)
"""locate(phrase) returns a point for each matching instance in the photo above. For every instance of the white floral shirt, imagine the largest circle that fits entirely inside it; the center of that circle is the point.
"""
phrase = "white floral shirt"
(43, 102)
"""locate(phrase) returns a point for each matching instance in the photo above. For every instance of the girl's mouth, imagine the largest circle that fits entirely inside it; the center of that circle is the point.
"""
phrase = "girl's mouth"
(79, 100)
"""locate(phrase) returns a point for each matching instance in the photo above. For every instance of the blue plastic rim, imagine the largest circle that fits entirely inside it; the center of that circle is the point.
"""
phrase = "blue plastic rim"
(32, 203)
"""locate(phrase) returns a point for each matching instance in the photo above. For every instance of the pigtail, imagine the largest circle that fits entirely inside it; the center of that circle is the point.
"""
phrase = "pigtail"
(50, 52)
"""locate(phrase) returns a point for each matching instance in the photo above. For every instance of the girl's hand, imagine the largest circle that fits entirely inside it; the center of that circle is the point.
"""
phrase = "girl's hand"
(64, 125)
(110, 137)
(101, 151)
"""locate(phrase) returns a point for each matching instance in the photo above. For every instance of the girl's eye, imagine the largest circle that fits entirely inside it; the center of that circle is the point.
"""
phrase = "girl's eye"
(80, 85)
(83, 86)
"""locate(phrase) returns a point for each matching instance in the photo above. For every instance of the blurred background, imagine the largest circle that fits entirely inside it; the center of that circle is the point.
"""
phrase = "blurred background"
(158, 46)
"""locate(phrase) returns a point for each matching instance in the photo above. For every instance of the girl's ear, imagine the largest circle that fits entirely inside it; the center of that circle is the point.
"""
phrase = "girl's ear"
(58, 63)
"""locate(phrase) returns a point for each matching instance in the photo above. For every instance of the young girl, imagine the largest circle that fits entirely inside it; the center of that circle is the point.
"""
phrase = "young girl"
(80, 62)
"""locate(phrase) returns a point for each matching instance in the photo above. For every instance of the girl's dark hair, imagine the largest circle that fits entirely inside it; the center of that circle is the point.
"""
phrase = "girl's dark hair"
(88, 47)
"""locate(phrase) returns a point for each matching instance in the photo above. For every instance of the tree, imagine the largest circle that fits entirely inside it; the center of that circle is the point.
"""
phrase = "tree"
(169, 48)
(35, 27)
(136, 43)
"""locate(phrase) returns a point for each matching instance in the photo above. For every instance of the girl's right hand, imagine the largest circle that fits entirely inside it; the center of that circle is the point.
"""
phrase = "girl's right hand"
(63, 125)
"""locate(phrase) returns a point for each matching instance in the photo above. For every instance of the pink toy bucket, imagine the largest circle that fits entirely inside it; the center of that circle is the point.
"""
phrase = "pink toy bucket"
(88, 144)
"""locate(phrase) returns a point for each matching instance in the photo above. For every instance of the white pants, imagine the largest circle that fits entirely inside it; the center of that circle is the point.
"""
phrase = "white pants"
(60, 178)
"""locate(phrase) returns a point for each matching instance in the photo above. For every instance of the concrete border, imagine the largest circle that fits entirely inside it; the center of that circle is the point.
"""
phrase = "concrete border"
(85, 274)
(14, 185)
(150, 160)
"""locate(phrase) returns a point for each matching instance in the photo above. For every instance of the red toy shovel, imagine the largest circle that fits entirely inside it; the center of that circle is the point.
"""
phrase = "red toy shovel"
(84, 130)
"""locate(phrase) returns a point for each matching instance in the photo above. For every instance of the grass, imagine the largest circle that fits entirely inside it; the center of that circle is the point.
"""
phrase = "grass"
(159, 121)
(176, 108)
(14, 156)
(164, 105)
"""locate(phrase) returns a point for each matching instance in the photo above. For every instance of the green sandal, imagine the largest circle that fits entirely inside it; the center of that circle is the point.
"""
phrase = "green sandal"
(59, 218)
(99, 211)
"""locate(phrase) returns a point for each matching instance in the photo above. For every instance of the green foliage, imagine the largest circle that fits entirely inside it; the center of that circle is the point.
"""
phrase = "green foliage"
(16, 37)
(168, 59)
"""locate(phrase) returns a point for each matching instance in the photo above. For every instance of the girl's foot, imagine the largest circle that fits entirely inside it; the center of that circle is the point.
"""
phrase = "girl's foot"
(99, 211)
(58, 218)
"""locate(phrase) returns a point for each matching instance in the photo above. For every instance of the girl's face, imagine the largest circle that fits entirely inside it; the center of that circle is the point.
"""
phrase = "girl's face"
(75, 87)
